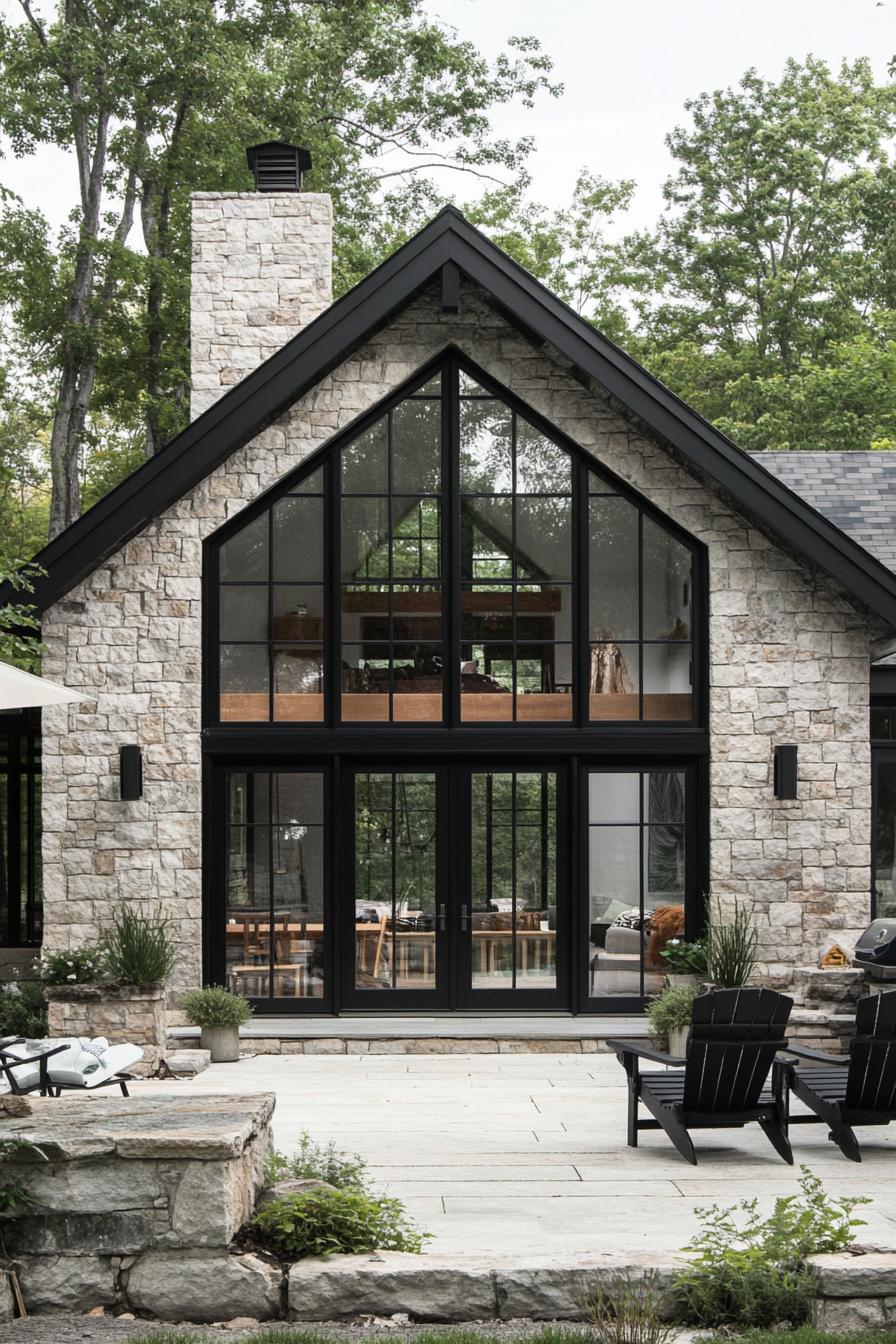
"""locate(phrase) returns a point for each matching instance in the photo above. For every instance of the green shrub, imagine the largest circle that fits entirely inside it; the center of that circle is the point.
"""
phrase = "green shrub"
(683, 958)
(628, 1311)
(318, 1162)
(329, 1222)
(750, 1270)
(215, 1007)
(673, 1008)
(81, 966)
(139, 949)
(23, 1010)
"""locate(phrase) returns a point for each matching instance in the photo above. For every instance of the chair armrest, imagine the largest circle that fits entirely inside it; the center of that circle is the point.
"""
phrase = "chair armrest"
(11, 1040)
(620, 1047)
(817, 1056)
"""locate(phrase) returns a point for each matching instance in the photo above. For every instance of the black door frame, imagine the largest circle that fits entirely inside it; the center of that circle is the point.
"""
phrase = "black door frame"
(881, 754)
(573, 952)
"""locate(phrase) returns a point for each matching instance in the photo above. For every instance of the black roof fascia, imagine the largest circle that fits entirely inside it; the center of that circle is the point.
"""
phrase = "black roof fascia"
(267, 392)
(883, 680)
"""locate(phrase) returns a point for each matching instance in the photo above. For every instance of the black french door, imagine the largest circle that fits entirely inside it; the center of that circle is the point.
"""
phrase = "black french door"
(451, 886)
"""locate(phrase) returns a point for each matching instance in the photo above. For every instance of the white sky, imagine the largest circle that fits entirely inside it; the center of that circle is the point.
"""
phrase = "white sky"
(628, 66)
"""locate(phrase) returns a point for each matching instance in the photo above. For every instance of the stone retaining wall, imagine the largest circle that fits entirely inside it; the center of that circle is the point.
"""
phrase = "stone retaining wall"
(854, 1291)
(138, 1202)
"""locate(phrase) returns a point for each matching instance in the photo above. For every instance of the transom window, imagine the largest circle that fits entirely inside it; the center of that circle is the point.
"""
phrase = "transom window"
(453, 561)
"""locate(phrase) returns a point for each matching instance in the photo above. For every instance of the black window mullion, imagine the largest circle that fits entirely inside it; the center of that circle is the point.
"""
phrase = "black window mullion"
(544, 839)
(640, 616)
(332, 571)
(270, 615)
(393, 835)
(14, 839)
(580, 596)
(513, 906)
(514, 580)
(642, 840)
(270, 993)
(451, 542)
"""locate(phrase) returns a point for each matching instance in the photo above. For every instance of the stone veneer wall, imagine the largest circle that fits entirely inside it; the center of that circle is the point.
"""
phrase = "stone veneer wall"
(789, 662)
(262, 266)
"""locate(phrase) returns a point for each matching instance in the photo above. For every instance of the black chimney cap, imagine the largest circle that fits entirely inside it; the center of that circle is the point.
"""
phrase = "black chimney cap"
(278, 166)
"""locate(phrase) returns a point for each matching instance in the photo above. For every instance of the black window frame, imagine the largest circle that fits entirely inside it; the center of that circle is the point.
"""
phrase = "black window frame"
(450, 364)
(20, 869)
(883, 752)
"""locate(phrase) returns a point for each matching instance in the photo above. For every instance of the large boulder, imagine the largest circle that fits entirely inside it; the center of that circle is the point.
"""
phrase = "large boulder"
(428, 1288)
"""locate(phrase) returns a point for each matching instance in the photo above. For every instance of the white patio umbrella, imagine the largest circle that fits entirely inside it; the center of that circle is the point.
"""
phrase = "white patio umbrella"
(21, 690)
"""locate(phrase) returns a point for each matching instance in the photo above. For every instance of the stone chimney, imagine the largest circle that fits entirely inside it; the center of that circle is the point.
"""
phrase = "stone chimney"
(262, 270)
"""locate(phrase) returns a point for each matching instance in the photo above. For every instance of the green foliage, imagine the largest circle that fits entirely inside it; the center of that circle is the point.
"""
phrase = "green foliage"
(23, 1010)
(628, 1311)
(731, 947)
(805, 1334)
(80, 966)
(14, 1198)
(215, 1007)
(751, 1270)
(673, 1008)
(19, 626)
(330, 1222)
(321, 1162)
(138, 948)
(285, 1334)
(683, 958)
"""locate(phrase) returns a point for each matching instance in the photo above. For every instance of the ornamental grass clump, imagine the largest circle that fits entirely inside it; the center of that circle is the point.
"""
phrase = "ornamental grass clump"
(215, 1007)
(751, 1272)
(732, 948)
(630, 1310)
(139, 949)
(333, 1222)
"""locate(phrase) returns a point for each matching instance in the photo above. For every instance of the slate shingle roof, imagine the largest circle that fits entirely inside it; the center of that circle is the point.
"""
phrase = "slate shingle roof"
(855, 491)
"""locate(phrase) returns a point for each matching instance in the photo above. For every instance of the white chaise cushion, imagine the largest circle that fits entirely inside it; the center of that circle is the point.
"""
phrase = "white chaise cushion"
(81, 1067)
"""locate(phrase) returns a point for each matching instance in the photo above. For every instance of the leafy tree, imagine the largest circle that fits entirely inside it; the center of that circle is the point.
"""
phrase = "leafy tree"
(159, 97)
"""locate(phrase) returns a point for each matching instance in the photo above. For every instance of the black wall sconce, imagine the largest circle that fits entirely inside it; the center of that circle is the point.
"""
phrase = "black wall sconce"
(785, 771)
(130, 766)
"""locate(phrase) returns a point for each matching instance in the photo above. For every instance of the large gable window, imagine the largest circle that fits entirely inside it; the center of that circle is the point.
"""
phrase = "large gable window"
(453, 562)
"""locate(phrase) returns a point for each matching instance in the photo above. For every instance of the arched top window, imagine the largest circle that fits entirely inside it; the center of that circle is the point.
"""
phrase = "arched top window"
(454, 561)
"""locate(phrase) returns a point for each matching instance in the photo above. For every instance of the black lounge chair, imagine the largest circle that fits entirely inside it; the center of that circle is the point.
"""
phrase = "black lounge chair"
(854, 1089)
(735, 1036)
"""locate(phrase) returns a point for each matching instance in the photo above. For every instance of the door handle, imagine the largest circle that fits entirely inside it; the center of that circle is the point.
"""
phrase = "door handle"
(443, 918)
(464, 919)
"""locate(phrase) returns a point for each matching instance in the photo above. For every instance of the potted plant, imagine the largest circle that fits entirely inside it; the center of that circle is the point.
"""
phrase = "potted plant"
(219, 1015)
(670, 1016)
(685, 962)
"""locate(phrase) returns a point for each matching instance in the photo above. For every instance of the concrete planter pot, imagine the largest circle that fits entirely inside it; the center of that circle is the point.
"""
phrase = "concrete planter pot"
(674, 979)
(122, 1013)
(223, 1042)
(678, 1041)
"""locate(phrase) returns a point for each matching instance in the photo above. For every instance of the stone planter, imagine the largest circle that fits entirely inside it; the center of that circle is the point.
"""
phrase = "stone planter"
(121, 1013)
(678, 1041)
(223, 1042)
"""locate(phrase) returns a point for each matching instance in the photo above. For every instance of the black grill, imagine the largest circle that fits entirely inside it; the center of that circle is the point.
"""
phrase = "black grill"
(278, 166)
(876, 950)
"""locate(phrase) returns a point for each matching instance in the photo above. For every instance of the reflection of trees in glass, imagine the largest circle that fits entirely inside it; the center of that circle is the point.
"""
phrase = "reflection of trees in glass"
(402, 820)
(510, 823)
(665, 833)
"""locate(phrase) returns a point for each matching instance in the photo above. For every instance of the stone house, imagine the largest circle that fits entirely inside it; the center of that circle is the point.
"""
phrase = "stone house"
(445, 645)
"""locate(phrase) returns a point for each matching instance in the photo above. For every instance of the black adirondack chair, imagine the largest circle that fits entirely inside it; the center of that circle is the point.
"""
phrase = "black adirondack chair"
(854, 1089)
(735, 1036)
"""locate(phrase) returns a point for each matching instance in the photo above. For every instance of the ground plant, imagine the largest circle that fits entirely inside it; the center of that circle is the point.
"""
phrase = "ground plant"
(23, 1010)
(215, 1007)
(318, 1162)
(300, 1335)
(732, 945)
(139, 949)
(629, 1310)
(749, 1270)
(332, 1222)
(80, 966)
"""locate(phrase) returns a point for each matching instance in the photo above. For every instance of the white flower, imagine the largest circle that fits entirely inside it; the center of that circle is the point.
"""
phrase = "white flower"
(71, 977)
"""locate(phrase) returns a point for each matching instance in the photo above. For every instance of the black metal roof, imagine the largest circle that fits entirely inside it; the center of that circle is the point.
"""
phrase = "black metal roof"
(856, 491)
(446, 245)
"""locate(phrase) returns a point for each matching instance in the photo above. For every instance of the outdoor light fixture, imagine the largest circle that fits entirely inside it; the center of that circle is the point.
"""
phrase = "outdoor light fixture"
(785, 771)
(130, 765)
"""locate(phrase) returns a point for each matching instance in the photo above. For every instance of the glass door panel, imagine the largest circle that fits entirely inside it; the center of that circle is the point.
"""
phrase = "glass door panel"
(637, 878)
(396, 911)
(274, 907)
(509, 926)
(884, 834)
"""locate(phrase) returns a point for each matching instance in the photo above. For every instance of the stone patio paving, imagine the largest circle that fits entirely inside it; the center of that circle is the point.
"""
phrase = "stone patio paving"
(506, 1154)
